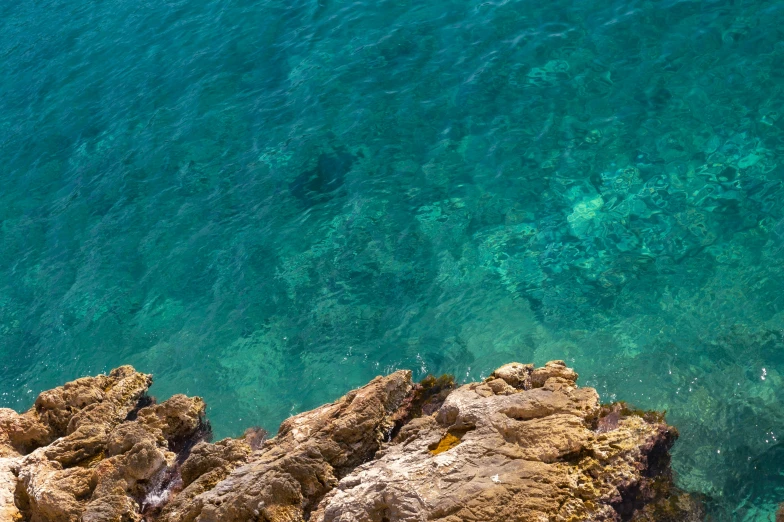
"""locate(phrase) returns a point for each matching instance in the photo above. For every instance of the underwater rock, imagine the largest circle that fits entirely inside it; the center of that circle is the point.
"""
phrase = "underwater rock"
(527, 444)
(315, 185)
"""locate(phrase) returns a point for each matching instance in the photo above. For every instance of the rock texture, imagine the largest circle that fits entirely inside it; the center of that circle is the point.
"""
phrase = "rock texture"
(89, 450)
(291, 473)
(527, 444)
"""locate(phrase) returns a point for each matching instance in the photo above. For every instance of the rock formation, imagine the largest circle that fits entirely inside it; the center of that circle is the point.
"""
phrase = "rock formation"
(527, 444)
(88, 451)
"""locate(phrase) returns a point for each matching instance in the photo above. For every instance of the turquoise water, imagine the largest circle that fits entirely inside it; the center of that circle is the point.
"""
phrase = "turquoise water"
(267, 203)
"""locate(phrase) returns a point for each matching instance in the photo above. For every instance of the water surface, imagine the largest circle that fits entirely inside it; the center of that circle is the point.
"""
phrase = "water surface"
(267, 203)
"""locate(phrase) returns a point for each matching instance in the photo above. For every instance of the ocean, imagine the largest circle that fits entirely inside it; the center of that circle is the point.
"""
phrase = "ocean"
(268, 203)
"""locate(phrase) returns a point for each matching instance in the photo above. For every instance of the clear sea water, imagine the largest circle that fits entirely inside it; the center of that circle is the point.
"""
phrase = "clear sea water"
(267, 203)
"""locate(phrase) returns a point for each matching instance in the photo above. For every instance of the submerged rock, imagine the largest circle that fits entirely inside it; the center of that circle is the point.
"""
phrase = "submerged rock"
(527, 444)
(320, 183)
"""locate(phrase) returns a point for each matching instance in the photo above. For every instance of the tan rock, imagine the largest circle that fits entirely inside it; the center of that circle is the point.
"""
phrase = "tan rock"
(177, 418)
(22, 433)
(86, 442)
(105, 399)
(527, 444)
(47, 492)
(515, 374)
(112, 508)
(91, 461)
(137, 452)
(528, 456)
(9, 467)
(206, 466)
(553, 369)
(205, 457)
(292, 472)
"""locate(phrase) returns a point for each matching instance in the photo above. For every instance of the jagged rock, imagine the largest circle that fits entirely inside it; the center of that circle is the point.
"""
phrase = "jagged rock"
(292, 472)
(21, 433)
(515, 375)
(206, 466)
(206, 458)
(104, 400)
(671, 506)
(79, 457)
(8, 471)
(527, 444)
(491, 455)
(557, 369)
(177, 418)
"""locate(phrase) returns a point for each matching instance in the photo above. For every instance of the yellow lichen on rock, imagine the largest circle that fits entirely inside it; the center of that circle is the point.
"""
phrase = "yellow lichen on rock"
(447, 442)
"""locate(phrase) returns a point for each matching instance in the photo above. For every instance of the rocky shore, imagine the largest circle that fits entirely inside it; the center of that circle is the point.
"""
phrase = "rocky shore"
(527, 444)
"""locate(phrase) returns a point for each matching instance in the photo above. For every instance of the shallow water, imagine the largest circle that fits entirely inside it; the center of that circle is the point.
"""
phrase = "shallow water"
(268, 203)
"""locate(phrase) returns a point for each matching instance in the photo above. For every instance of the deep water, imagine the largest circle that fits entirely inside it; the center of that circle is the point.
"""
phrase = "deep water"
(267, 203)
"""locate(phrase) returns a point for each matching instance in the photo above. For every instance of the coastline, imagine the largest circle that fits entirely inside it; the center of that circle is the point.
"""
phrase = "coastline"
(526, 444)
